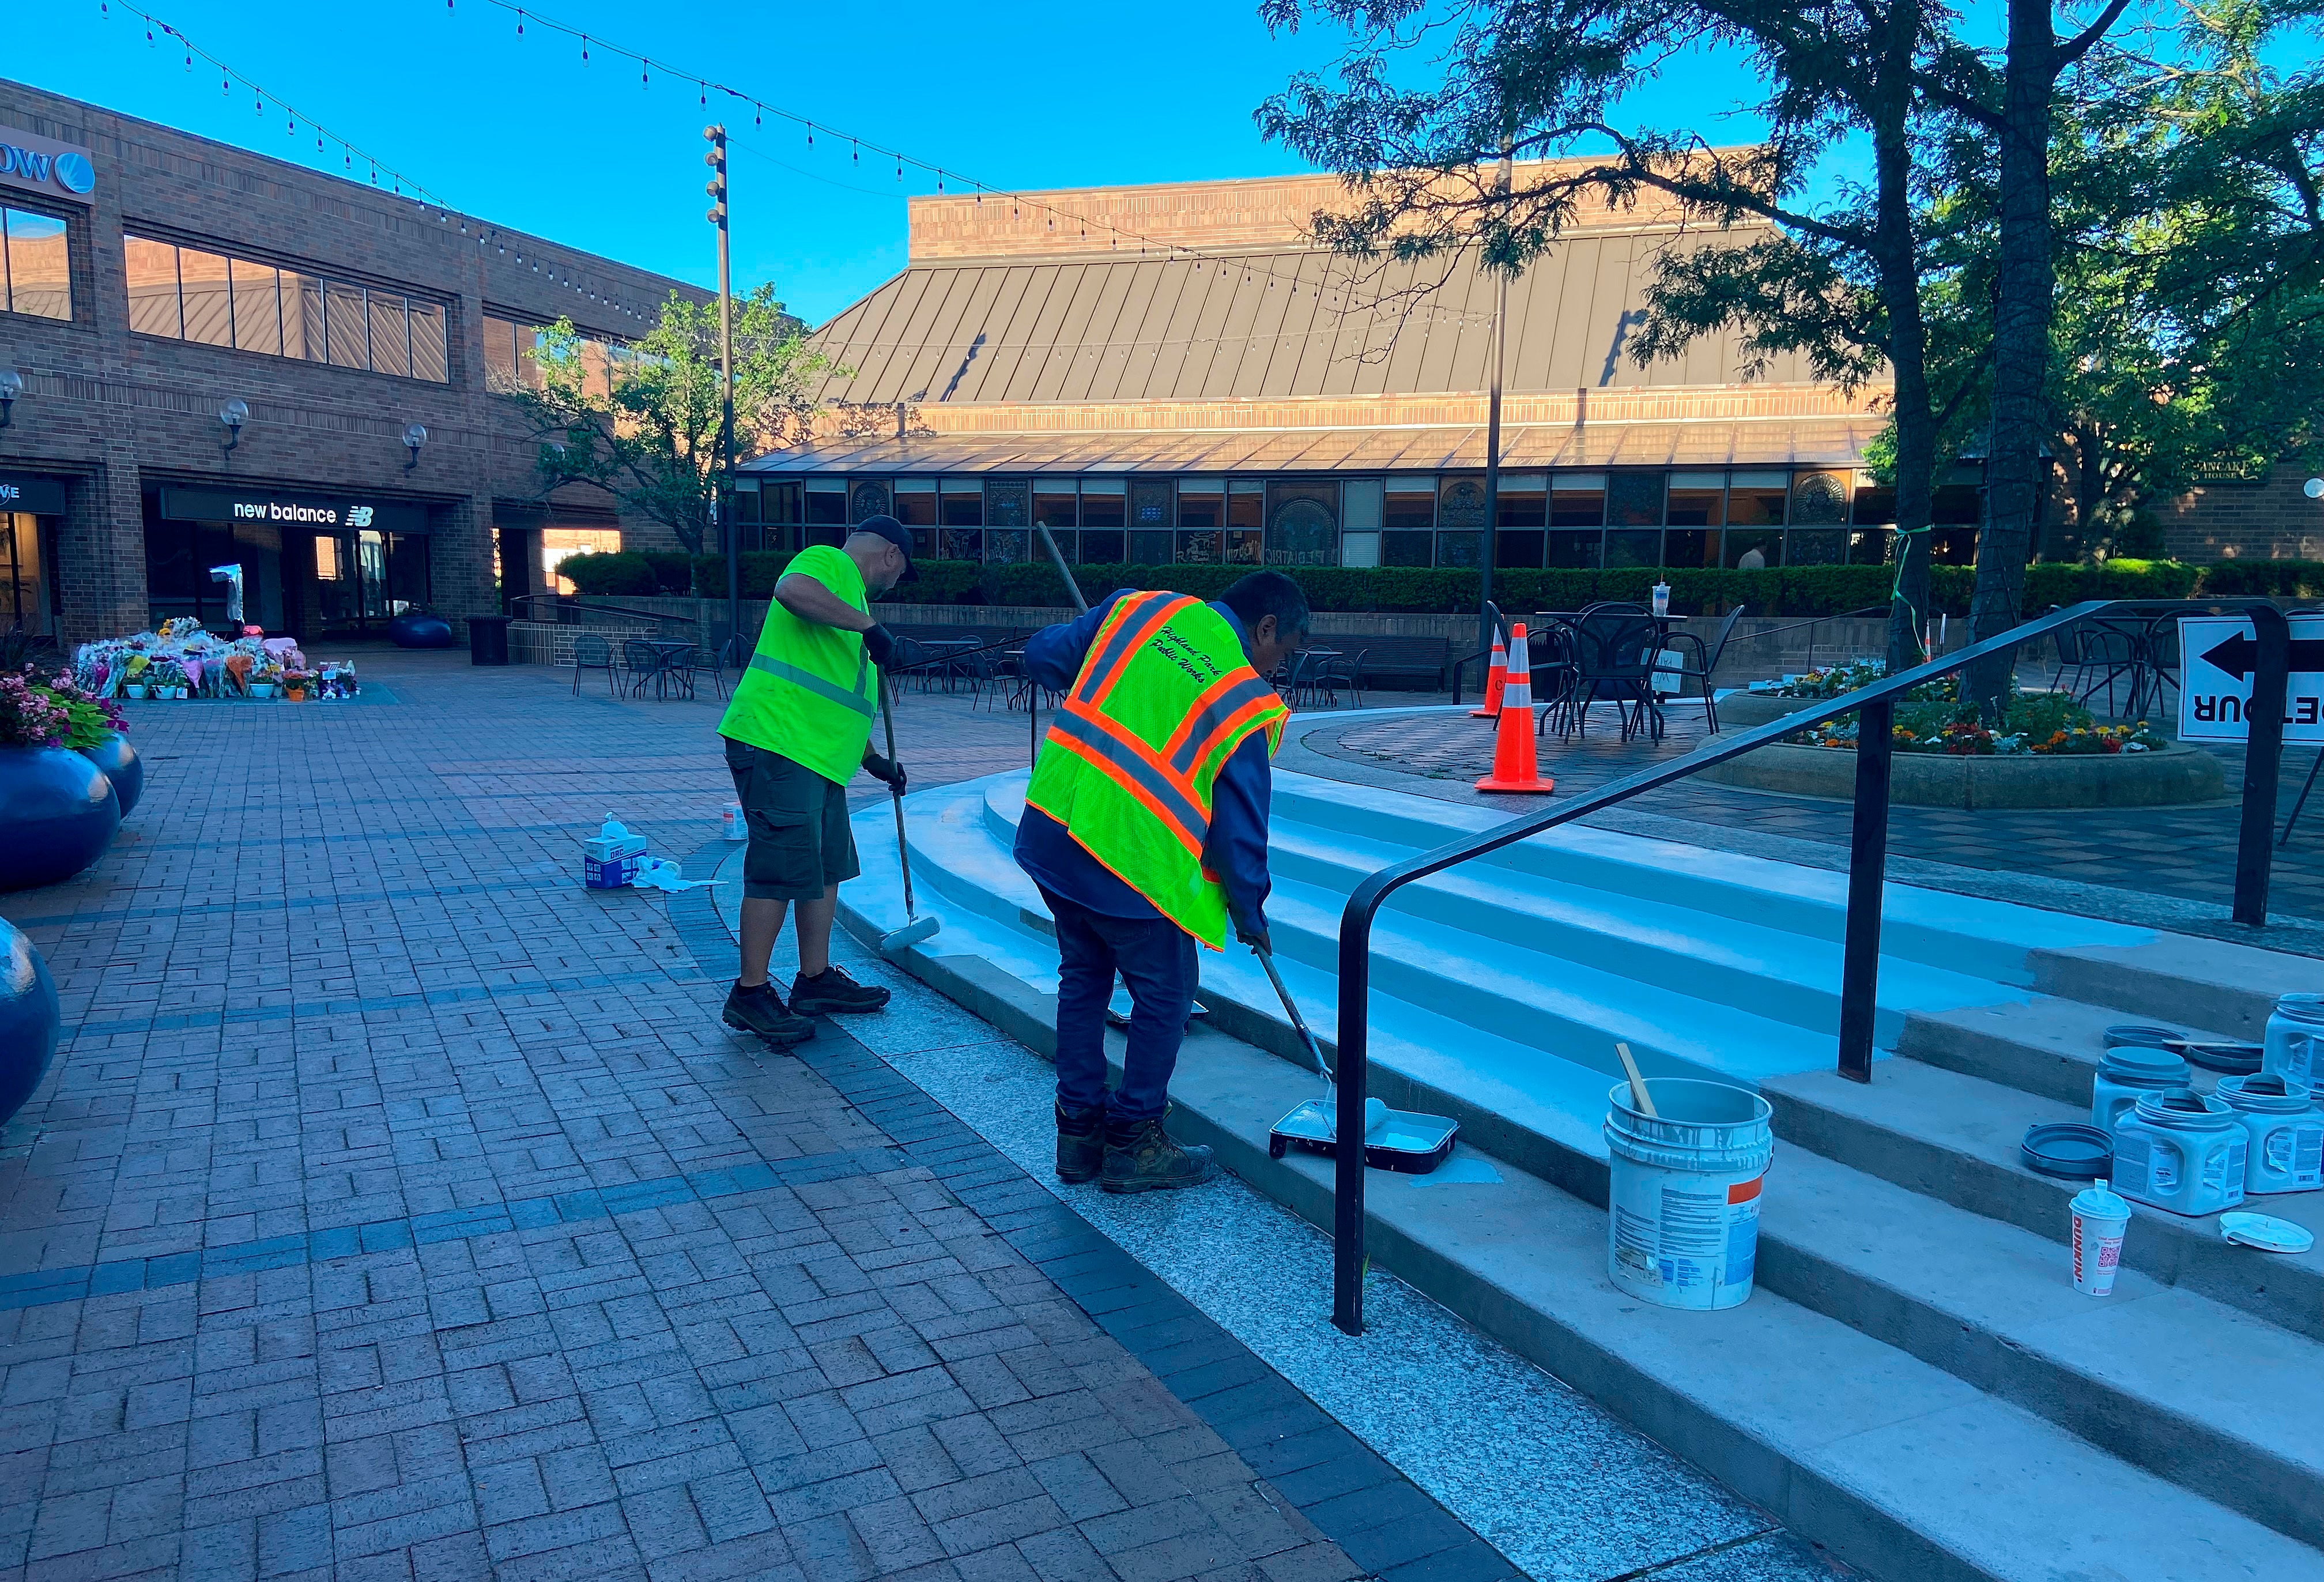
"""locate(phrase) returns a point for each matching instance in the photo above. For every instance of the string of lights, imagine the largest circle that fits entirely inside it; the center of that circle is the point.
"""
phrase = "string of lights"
(882, 155)
(402, 185)
(399, 183)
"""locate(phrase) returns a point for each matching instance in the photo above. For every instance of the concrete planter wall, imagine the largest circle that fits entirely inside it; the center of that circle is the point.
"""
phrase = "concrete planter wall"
(2173, 775)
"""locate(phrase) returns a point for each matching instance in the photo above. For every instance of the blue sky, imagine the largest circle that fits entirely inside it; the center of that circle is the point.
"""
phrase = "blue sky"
(518, 130)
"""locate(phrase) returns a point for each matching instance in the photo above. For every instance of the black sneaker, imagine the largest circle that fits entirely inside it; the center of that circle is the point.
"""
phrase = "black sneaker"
(761, 1011)
(1144, 1159)
(1081, 1144)
(832, 992)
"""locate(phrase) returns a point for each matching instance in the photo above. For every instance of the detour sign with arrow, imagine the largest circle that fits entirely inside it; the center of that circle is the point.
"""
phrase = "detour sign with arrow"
(2217, 654)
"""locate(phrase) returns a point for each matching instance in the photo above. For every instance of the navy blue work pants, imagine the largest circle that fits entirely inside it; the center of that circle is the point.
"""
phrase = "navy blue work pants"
(1156, 959)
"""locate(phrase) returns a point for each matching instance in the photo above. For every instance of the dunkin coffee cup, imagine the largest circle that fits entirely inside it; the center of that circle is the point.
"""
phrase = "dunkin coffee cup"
(2101, 1218)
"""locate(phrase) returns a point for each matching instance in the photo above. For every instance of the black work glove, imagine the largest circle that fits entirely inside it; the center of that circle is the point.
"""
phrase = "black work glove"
(879, 643)
(886, 770)
(1255, 938)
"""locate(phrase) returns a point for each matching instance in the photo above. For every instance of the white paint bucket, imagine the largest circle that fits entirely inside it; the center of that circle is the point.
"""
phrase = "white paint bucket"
(736, 824)
(1682, 1200)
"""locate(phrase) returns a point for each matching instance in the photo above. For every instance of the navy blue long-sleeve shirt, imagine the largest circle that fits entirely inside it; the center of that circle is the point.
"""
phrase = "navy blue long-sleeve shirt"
(1236, 848)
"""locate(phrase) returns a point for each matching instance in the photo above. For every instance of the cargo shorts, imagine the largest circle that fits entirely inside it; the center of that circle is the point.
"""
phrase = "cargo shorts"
(800, 842)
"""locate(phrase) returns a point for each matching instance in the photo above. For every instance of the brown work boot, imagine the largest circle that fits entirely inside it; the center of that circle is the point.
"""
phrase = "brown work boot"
(1141, 1158)
(1081, 1144)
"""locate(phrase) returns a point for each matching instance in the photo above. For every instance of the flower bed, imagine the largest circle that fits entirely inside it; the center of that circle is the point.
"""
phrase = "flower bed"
(2050, 752)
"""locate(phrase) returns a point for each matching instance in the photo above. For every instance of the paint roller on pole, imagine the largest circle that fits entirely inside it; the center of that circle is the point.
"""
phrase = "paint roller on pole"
(915, 928)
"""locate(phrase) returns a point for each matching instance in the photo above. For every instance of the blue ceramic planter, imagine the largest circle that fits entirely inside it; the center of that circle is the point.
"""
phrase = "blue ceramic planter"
(420, 630)
(122, 766)
(30, 1021)
(58, 813)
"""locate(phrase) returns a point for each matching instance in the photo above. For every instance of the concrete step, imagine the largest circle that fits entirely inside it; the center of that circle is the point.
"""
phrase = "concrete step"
(2044, 1045)
(1899, 1467)
(1898, 1210)
(1955, 1139)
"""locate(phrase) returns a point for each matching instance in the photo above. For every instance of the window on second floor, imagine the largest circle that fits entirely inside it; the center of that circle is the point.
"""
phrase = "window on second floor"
(185, 293)
(35, 275)
(509, 345)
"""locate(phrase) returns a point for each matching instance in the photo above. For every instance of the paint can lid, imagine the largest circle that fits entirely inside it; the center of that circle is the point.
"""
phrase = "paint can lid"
(2266, 1231)
(2142, 1036)
(2068, 1150)
(2146, 1067)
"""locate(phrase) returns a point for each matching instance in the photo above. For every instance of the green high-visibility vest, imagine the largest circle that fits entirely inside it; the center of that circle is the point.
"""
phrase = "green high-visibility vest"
(809, 692)
(1164, 697)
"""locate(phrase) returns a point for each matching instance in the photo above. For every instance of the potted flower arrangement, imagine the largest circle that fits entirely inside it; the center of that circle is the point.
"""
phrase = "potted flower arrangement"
(134, 669)
(294, 685)
(62, 810)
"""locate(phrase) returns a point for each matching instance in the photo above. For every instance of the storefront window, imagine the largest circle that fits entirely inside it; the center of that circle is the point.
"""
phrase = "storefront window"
(1570, 550)
(1757, 499)
(35, 264)
(916, 508)
(1056, 504)
(1360, 522)
(1577, 499)
(1303, 522)
(1202, 518)
(1634, 499)
(1634, 547)
(1246, 523)
(1523, 514)
(1105, 515)
(1697, 499)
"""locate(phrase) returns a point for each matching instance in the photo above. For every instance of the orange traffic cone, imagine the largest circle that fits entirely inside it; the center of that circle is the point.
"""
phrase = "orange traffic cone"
(1496, 677)
(1514, 769)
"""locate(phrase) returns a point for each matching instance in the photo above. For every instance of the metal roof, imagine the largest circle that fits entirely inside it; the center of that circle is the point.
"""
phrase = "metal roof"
(1831, 441)
(1286, 323)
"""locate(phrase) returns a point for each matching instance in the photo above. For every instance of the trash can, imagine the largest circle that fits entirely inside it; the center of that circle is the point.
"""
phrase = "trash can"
(488, 640)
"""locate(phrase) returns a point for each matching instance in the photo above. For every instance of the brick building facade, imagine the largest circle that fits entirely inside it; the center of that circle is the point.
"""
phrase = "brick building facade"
(154, 279)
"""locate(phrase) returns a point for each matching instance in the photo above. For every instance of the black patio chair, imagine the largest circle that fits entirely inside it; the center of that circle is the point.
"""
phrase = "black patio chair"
(1706, 661)
(642, 661)
(593, 653)
(680, 666)
(1615, 647)
(2110, 651)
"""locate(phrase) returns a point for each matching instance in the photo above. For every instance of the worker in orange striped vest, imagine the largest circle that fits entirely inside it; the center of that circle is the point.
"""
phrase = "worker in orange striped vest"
(1145, 826)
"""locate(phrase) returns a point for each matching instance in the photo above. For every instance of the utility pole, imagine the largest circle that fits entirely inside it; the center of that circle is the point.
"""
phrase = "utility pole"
(730, 531)
(1493, 423)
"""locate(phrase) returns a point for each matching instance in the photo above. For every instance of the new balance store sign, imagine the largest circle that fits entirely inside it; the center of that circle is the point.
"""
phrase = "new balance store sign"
(321, 513)
(54, 170)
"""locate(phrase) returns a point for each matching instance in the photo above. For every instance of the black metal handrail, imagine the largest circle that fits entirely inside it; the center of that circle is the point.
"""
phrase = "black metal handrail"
(1867, 871)
(559, 602)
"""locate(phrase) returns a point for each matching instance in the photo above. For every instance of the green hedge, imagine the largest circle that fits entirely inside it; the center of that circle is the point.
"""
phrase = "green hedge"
(1799, 592)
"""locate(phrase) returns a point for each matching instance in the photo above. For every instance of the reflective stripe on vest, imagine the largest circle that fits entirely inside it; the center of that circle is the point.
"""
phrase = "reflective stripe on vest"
(1164, 697)
(783, 671)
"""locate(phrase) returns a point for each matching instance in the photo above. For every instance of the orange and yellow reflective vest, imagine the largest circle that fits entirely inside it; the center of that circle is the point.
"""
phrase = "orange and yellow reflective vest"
(1164, 697)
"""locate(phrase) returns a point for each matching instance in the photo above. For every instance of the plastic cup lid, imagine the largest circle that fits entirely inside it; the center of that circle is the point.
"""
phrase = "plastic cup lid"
(2097, 1201)
(2069, 1151)
(2266, 1231)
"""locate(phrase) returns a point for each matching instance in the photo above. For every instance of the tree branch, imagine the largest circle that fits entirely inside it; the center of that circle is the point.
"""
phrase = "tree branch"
(2075, 48)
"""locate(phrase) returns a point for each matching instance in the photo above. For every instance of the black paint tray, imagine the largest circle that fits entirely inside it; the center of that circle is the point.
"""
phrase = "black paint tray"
(1405, 1141)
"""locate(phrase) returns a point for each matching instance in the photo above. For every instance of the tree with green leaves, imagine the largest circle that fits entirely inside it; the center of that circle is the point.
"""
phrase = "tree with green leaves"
(643, 423)
(1837, 279)
(2187, 334)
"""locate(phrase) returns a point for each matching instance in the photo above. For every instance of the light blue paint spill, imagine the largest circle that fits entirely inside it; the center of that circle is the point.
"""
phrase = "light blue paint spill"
(1460, 1172)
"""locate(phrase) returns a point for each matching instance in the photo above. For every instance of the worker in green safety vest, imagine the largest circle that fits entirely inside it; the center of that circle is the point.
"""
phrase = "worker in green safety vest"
(797, 729)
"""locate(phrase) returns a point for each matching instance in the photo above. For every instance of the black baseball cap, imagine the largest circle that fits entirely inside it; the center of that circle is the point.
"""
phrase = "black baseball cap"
(896, 533)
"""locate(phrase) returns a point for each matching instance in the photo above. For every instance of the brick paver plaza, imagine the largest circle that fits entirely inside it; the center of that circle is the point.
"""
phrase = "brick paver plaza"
(397, 1208)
